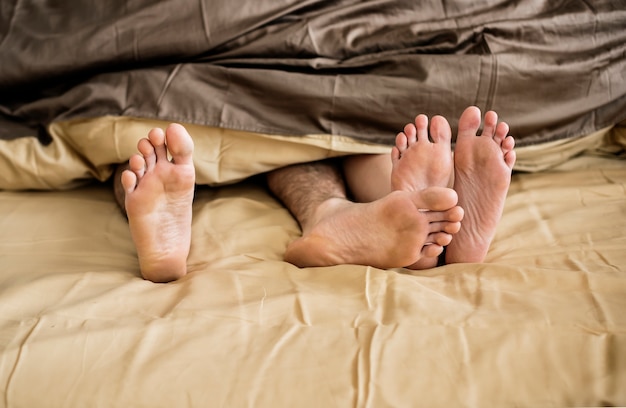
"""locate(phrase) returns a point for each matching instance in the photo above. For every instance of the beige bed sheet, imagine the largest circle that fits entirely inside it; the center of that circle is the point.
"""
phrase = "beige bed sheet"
(542, 323)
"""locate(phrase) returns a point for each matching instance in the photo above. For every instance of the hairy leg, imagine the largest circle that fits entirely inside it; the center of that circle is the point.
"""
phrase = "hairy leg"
(416, 163)
(482, 167)
(390, 232)
(157, 195)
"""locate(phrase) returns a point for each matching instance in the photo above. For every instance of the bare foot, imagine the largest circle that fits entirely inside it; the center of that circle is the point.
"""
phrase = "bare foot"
(388, 233)
(418, 163)
(482, 175)
(159, 195)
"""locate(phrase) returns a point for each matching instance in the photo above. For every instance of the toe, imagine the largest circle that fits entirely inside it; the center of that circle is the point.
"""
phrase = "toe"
(439, 238)
(137, 164)
(509, 159)
(411, 134)
(435, 199)
(157, 138)
(469, 122)
(431, 251)
(395, 156)
(491, 121)
(129, 181)
(179, 144)
(451, 227)
(440, 130)
(502, 130)
(508, 144)
(421, 123)
(146, 149)
(402, 142)
(444, 226)
(454, 214)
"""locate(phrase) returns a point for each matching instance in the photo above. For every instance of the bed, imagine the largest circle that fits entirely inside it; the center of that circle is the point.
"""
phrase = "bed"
(540, 323)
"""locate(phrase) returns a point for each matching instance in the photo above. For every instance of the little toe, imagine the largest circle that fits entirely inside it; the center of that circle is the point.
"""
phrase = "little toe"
(157, 138)
(129, 181)
(509, 158)
(508, 144)
(440, 130)
(469, 122)
(395, 156)
(421, 123)
(491, 121)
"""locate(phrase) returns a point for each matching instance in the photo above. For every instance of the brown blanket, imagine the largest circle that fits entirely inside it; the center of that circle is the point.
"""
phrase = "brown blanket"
(553, 70)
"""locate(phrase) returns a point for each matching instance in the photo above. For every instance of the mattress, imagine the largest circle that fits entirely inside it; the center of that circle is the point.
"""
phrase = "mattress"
(540, 323)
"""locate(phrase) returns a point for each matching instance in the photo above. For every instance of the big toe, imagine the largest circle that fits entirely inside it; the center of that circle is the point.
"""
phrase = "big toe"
(436, 199)
(179, 144)
(469, 122)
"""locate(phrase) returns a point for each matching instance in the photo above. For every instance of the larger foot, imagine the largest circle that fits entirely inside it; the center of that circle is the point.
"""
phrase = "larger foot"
(482, 175)
(388, 233)
(159, 195)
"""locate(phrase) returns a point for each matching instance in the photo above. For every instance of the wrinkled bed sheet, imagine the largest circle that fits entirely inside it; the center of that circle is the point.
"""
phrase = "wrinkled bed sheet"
(541, 323)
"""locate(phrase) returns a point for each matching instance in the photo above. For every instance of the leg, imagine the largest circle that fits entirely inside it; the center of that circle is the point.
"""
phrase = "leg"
(387, 233)
(304, 187)
(367, 176)
(482, 167)
(157, 195)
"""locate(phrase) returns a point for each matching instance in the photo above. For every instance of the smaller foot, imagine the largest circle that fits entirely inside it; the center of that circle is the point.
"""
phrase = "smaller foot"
(418, 163)
(394, 231)
(482, 175)
(158, 200)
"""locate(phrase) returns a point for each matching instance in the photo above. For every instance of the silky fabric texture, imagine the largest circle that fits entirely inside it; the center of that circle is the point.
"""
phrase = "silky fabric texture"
(84, 150)
(553, 70)
(541, 323)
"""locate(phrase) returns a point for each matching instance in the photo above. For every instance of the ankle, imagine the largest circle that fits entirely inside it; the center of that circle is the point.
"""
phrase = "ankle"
(322, 211)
